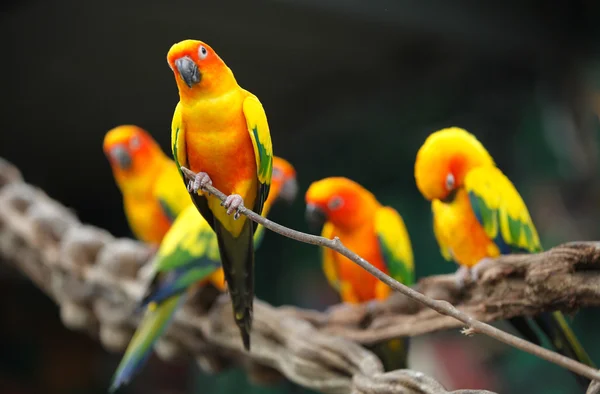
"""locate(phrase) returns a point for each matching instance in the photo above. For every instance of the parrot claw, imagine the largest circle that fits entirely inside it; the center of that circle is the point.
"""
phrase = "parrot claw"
(479, 267)
(462, 277)
(234, 202)
(202, 179)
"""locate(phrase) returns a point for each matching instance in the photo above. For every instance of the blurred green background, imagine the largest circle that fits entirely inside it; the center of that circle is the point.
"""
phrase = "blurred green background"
(350, 88)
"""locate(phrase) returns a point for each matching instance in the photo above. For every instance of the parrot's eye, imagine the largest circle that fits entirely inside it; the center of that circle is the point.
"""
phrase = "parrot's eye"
(450, 181)
(335, 203)
(134, 142)
(277, 174)
(202, 52)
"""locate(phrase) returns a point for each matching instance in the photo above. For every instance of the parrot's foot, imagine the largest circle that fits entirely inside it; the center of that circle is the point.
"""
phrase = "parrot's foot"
(234, 202)
(479, 267)
(202, 179)
(462, 276)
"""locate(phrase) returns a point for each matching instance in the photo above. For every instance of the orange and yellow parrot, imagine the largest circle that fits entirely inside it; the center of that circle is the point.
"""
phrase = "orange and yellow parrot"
(478, 214)
(376, 232)
(187, 258)
(149, 181)
(220, 131)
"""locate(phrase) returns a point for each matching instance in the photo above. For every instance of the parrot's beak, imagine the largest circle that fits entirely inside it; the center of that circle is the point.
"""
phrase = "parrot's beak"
(188, 70)
(315, 217)
(120, 155)
(289, 190)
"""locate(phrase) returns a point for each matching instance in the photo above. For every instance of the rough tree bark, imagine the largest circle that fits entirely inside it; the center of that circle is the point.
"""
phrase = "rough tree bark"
(97, 279)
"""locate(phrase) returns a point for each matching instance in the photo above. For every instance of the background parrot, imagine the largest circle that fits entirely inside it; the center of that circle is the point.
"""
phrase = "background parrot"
(220, 131)
(478, 214)
(376, 233)
(153, 195)
(188, 256)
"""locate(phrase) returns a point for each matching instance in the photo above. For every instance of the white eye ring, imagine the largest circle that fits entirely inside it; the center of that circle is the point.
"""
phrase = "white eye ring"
(450, 181)
(335, 203)
(134, 142)
(202, 52)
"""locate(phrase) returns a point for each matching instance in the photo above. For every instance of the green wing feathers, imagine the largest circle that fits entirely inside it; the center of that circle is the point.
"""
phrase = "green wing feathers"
(258, 128)
(501, 211)
(395, 245)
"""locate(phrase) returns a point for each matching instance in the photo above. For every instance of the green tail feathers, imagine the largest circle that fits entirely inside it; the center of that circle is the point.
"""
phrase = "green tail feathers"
(561, 336)
(237, 257)
(555, 327)
(155, 321)
(393, 353)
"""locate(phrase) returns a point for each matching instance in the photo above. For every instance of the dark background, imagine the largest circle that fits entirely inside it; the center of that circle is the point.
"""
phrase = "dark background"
(350, 88)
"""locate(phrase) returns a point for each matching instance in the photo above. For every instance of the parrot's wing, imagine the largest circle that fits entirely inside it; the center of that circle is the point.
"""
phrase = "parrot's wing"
(328, 256)
(171, 195)
(395, 246)
(188, 253)
(501, 211)
(256, 120)
(180, 155)
(438, 209)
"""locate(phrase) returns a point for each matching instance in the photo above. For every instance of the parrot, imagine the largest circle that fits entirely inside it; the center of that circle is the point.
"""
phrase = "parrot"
(149, 181)
(220, 132)
(478, 214)
(187, 258)
(347, 210)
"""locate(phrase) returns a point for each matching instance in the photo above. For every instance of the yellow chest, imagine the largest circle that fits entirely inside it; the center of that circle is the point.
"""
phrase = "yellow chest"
(146, 219)
(460, 231)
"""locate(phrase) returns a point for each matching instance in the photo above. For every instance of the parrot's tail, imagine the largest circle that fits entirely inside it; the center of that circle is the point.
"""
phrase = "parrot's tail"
(155, 321)
(393, 353)
(237, 257)
(562, 337)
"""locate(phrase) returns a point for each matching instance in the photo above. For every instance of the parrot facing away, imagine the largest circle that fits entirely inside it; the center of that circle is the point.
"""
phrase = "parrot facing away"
(149, 181)
(376, 232)
(188, 257)
(478, 214)
(220, 131)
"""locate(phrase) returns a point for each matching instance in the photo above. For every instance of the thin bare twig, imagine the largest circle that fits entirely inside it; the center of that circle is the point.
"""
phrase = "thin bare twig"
(442, 307)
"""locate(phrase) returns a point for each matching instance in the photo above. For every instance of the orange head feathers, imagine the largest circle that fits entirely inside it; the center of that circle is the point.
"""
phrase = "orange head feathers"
(340, 201)
(132, 152)
(198, 70)
(444, 159)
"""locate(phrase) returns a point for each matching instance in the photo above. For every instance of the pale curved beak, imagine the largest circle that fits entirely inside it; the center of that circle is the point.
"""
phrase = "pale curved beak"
(315, 217)
(289, 191)
(189, 71)
(120, 156)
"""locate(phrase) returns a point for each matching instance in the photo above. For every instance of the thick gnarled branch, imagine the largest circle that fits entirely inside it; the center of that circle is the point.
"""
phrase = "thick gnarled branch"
(440, 306)
(97, 279)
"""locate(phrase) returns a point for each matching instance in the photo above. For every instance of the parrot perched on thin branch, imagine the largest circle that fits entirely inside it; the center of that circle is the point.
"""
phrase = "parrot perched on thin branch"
(220, 131)
(377, 233)
(187, 258)
(153, 195)
(478, 214)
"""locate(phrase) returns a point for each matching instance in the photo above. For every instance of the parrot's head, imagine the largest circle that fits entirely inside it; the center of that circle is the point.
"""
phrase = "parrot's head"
(198, 70)
(131, 152)
(445, 159)
(338, 200)
(283, 180)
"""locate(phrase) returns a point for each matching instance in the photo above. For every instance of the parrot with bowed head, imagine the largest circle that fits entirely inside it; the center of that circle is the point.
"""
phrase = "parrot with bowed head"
(187, 258)
(375, 232)
(220, 132)
(478, 214)
(149, 181)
